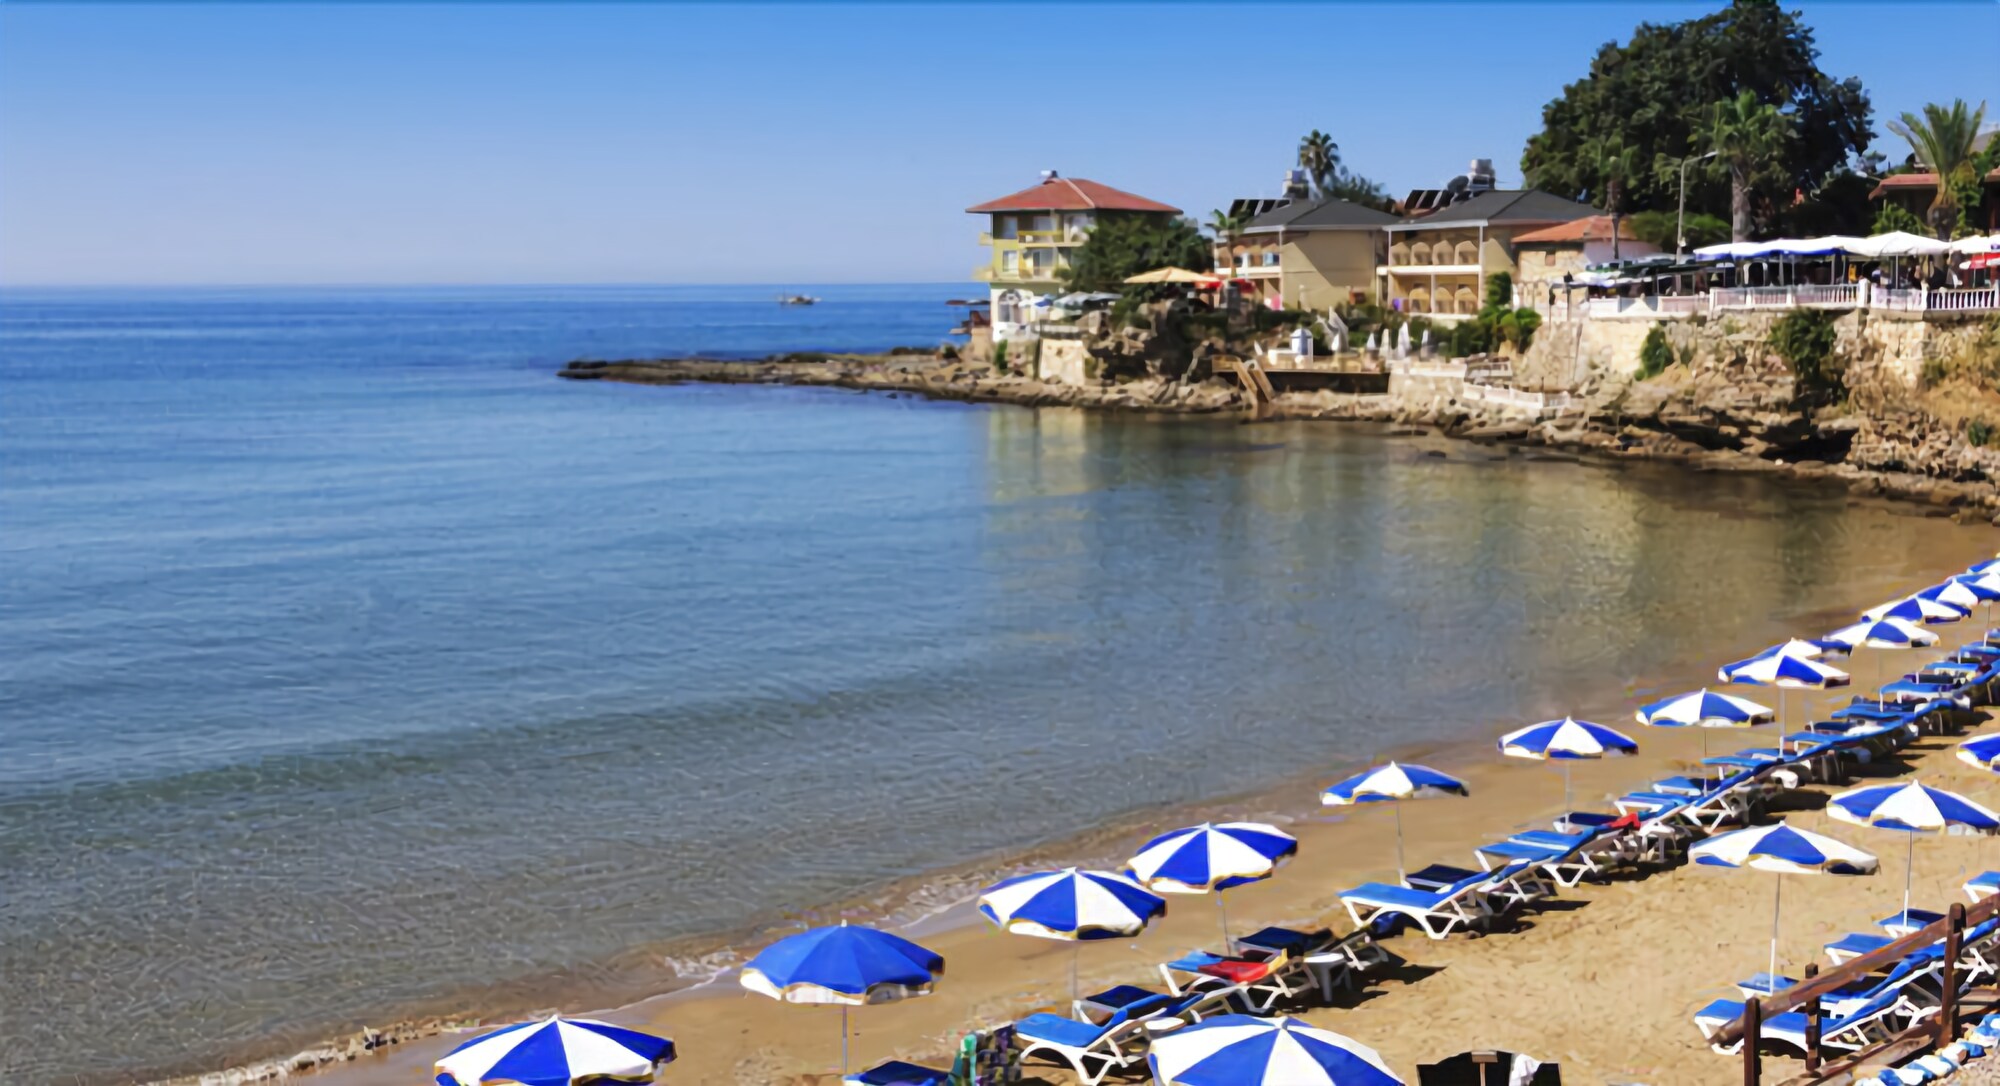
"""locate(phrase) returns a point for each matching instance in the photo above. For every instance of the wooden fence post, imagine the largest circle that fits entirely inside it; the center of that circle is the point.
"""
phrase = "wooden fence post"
(1753, 1037)
(1948, 1007)
(1812, 1023)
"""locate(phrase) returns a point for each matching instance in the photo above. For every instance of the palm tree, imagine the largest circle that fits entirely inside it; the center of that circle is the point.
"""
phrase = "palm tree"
(1224, 225)
(1615, 163)
(1942, 141)
(1745, 133)
(1319, 157)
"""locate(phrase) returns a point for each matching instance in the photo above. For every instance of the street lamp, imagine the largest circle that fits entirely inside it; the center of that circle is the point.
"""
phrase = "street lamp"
(1680, 217)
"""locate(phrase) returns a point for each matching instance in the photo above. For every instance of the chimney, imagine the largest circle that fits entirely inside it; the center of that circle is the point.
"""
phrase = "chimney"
(1048, 176)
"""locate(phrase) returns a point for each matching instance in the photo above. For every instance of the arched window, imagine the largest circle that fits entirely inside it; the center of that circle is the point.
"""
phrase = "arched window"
(1466, 253)
(1420, 253)
(1466, 302)
(1420, 300)
(1007, 310)
(1399, 253)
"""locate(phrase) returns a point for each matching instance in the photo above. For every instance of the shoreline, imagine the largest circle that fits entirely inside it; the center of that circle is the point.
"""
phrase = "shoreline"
(1019, 977)
(1597, 437)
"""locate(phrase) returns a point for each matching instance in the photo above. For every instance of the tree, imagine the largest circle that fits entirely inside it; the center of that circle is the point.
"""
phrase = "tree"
(1895, 218)
(1745, 133)
(1657, 93)
(1356, 189)
(1614, 162)
(1942, 140)
(1123, 245)
(1224, 225)
(1319, 157)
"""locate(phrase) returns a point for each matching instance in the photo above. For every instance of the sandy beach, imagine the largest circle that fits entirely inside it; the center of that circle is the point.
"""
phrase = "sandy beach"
(1603, 980)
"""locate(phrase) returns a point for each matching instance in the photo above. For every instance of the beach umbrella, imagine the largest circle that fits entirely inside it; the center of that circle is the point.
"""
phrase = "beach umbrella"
(1917, 609)
(1565, 740)
(1913, 808)
(1072, 904)
(1784, 850)
(1954, 593)
(1392, 784)
(555, 1051)
(1883, 633)
(1796, 648)
(1899, 243)
(1785, 673)
(1239, 1050)
(1986, 586)
(849, 964)
(1213, 856)
(1703, 709)
(1167, 275)
(1991, 565)
(1982, 752)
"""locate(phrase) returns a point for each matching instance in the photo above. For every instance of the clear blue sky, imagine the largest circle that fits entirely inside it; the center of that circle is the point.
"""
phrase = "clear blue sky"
(769, 144)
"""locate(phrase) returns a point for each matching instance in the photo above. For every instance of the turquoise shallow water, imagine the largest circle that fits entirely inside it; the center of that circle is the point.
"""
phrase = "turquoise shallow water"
(353, 662)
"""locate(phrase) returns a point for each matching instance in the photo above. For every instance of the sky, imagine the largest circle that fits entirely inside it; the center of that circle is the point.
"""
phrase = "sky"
(763, 143)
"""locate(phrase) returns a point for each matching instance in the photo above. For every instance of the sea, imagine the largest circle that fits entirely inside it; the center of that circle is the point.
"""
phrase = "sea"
(354, 666)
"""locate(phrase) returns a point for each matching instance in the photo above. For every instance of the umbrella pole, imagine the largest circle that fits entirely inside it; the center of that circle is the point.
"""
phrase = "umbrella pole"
(1223, 908)
(1075, 951)
(1400, 875)
(1777, 904)
(843, 1040)
(1909, 864)
(1565, 763)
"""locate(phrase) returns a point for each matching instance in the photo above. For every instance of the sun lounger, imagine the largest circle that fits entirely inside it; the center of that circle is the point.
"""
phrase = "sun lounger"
(1566, 865)
(1092, 1049)
(1275, 940)
(1438, 912)
(1870, 1022)
(1982, 886)
(1854, 944)
(1346, 960)
(1903, 922)
(898, 1073)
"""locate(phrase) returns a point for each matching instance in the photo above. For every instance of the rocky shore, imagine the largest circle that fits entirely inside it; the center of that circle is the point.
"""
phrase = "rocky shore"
(1744, 418)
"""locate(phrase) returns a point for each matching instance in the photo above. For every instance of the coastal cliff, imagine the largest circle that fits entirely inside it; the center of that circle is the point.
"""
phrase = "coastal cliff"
(1885, 413)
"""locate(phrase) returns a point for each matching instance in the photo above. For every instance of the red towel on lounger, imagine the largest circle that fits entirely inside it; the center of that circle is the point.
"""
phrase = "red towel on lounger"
(1237, 971)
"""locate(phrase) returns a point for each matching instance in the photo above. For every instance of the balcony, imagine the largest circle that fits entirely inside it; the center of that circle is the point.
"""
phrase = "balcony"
(987, 273)
(1073, 236)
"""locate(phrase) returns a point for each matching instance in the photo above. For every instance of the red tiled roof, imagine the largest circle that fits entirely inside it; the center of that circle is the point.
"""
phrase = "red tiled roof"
(1578, 231)
(1071, 194)
(1915, 181)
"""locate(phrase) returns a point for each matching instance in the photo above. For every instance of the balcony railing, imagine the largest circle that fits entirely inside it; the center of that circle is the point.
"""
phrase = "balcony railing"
(1072, 236)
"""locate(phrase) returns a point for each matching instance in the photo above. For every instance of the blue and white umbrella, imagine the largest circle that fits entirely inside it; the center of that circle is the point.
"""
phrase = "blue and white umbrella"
(1954, 593)
(1392, 784)
(1213, 856)
(1991, 565)
(1784, 850)
(1238, 1050)
(849, 964)
(1913, 808)
(1917, 609)
(1982, 752)
(1797, 648)
(1984, 586)
(1565, 740)
(1072, 904)
(555, 1051)
(1786, 672)
(1883, 633)
(1703, 709)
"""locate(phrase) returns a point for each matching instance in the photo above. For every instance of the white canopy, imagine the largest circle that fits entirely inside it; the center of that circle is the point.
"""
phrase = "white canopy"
(1899, 243)
(1833, 243)
(1976, 244)
(1729, 249)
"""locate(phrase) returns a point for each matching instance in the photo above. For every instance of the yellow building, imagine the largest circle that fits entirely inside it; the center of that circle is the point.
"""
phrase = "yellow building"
(1438, 263)
(1031, 235)
(1307, 255)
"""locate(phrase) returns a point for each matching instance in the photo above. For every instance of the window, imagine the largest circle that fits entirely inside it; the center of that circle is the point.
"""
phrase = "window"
(1242, 260)
(1042, 224)
(1010, 261)
(1042, 261)
(1270, 258)
(1004, 226)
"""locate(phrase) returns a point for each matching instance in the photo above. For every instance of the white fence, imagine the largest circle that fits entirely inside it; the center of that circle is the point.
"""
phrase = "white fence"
(1514, 397)
(1953, 301)
(1906, 301)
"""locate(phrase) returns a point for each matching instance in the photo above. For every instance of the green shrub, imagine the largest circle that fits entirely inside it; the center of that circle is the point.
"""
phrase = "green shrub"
(1654, 354)
(1500, 291)
(1469, 338)
(1978, 432)
(1804, 338)
(1000, 357)
(1519, 328)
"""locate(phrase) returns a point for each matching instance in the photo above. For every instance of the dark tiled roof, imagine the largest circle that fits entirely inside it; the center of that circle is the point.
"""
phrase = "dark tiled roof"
(1325, 215)
(1508, 205)
(1071, 194)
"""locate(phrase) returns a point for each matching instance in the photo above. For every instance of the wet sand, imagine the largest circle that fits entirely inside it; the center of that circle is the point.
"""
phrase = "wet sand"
(1604, 980)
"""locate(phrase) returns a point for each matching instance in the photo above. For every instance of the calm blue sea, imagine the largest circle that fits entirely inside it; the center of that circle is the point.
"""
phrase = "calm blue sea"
(350, 663)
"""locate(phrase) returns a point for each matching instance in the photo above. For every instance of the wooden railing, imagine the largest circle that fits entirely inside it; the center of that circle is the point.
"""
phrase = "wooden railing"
(1807, 993)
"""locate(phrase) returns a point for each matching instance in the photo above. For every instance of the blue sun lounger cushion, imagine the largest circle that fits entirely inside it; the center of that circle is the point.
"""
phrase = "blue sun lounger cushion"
(898, 1073)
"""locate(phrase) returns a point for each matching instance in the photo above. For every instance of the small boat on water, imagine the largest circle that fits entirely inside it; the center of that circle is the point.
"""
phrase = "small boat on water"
(796, 299)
